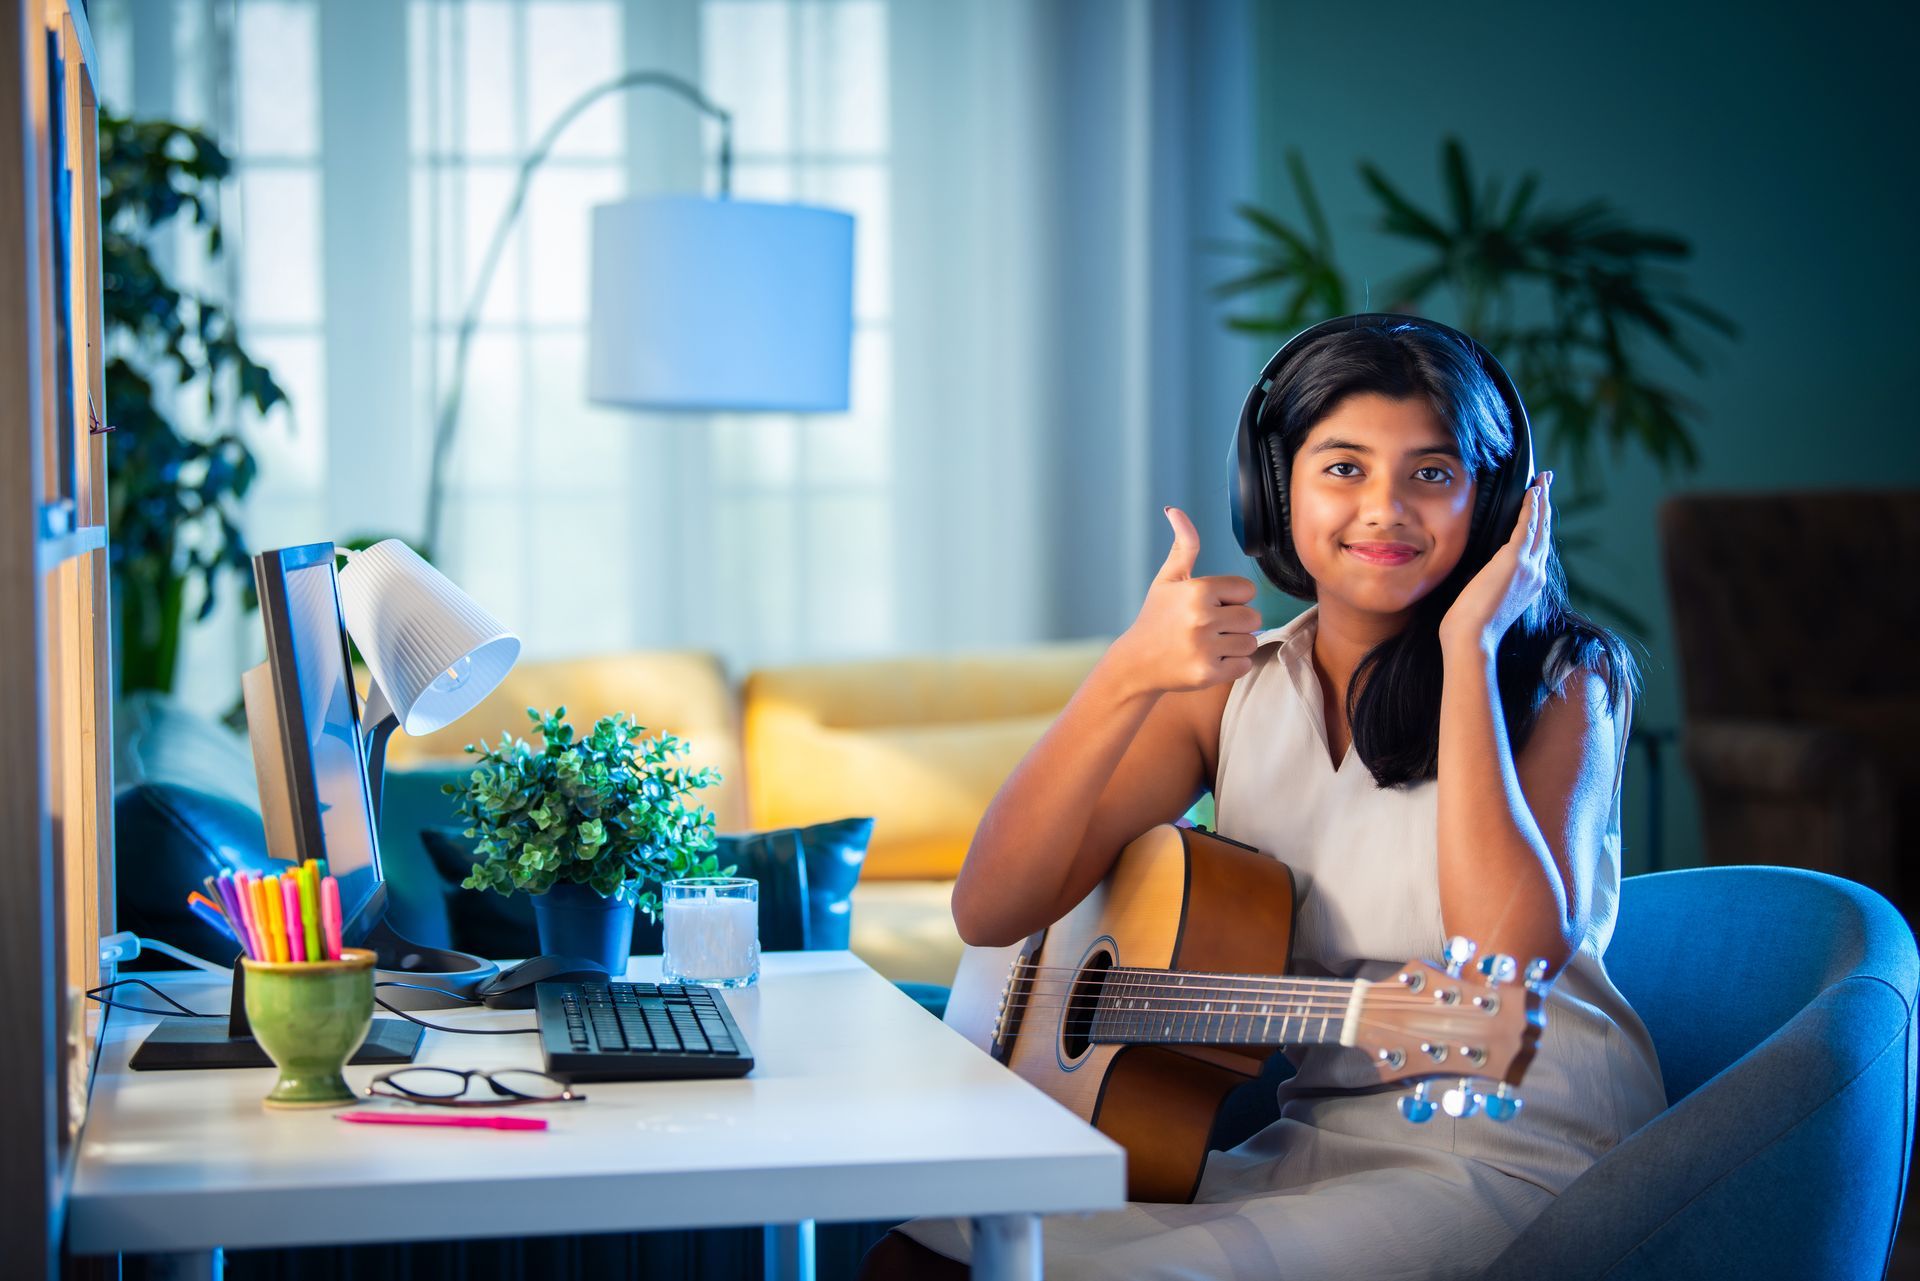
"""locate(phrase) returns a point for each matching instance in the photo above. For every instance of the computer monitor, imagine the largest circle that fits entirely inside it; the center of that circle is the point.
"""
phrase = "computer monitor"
(303, 715)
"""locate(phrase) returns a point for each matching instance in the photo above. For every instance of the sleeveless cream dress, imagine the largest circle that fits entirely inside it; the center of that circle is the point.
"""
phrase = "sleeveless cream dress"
(1341, 1186)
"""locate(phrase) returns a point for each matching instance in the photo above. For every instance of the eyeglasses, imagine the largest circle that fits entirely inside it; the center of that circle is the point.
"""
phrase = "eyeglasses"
(447, 1087)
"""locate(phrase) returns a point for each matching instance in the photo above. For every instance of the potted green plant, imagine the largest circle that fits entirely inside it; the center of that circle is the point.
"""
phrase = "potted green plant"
(591, 827)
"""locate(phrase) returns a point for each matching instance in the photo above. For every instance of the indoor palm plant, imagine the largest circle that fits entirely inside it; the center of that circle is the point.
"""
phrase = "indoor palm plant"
(590, 826)
(173, 494)
(1570, 299)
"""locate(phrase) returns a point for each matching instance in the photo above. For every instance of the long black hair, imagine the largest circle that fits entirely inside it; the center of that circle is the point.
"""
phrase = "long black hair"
(1393, 700)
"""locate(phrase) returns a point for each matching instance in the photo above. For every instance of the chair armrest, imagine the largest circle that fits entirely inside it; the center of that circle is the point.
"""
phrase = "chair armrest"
(1722, 1182)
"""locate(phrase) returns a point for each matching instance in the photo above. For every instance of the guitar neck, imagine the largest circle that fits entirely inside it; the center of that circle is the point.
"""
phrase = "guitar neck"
(1175, 1008)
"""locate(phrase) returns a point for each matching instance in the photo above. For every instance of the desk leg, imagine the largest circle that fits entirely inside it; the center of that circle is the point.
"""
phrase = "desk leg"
(1006, 1247)
(789, 1251)
(201, 1265)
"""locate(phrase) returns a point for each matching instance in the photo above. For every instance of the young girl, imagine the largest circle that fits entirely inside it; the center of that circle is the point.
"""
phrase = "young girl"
(1433, 753)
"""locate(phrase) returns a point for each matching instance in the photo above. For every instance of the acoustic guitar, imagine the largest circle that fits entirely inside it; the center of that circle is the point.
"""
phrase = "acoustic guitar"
(1166, 987)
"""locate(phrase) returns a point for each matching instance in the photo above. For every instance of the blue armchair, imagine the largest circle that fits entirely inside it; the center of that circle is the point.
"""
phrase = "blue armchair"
(1781, 1003)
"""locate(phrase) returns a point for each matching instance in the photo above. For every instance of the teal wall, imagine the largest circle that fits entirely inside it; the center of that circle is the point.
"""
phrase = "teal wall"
(1780, 145)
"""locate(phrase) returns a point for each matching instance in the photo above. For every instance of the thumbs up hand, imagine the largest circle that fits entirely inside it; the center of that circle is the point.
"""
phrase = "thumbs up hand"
(1191, 633)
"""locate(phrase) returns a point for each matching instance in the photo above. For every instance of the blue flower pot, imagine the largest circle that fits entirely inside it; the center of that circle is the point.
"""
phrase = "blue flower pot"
(575, 921)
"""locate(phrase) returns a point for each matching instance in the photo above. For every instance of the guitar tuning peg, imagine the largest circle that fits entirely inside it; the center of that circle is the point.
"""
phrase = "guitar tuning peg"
(1537, 975)
(1461, 1101)
(1459, 951)
(1498, 968)
(1502, 1104)
(1416, 1107)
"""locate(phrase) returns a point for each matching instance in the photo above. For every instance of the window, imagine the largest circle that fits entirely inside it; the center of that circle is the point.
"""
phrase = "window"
(767, 538)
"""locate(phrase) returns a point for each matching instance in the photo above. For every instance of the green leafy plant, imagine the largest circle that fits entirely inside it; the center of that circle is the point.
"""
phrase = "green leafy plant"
(1570, 299)
(606, 811)
(173, 497)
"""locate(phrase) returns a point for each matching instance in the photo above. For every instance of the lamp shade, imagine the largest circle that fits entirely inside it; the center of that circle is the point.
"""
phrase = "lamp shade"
(720, 305)
(434, 653)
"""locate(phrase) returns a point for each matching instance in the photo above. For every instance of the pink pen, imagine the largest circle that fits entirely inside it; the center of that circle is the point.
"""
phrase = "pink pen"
(244, 892)
(330, 916)
(296, 933)
(456, 1121)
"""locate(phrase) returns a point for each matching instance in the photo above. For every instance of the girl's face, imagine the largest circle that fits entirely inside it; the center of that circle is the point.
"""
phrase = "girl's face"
(1380, 503)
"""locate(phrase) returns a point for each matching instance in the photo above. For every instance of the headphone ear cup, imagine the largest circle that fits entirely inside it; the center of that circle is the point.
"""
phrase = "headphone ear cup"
(1278, 559)
(1282, 533)
(1496, 507)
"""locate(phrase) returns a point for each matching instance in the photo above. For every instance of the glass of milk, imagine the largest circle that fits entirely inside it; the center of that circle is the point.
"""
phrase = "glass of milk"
(712, 931)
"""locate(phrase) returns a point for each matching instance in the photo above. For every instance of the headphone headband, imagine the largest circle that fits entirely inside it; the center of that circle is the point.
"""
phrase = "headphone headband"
(1260, 472)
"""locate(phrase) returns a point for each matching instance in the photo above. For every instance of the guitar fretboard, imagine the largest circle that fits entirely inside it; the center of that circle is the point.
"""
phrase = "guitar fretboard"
(1152, 1006)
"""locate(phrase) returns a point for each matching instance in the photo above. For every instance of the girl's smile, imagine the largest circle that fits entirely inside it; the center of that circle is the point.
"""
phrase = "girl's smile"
(1388, 554)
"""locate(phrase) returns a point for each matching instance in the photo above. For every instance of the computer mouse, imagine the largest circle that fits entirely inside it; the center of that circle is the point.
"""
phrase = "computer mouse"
(513, 989)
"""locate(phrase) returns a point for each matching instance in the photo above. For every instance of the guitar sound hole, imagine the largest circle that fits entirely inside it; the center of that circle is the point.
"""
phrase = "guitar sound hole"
(1083, 1003)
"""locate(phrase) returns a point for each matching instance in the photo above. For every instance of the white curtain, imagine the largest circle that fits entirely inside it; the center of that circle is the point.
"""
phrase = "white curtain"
(1060, 371)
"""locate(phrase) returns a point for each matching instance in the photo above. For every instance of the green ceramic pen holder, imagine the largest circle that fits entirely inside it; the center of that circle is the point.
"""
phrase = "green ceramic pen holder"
(310, 1016)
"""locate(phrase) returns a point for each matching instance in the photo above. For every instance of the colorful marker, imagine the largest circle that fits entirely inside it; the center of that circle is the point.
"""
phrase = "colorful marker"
(204, 910)
(243, 890)
(277, 918)
(290, 909)
(233, 889)
(262, 918)
(330, 916)
(310, 909)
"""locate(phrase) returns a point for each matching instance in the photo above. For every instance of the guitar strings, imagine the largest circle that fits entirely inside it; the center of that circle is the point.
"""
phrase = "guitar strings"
(1217, 1009)
(1135, 972)
(1137, 980)
(1373, 1027)
(1443, 1028)
(1095, 989)
(1278, 991)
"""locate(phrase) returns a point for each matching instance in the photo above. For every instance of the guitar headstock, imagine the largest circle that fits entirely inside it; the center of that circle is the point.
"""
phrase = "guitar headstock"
(1468, 1023)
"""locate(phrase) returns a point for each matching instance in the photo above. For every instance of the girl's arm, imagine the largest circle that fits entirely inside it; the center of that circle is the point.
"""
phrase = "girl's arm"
(1517, 840)
(1134, 747)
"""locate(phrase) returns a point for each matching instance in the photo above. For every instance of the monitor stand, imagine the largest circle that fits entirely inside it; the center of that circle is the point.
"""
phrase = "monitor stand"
(208, 1043)
(434, 978)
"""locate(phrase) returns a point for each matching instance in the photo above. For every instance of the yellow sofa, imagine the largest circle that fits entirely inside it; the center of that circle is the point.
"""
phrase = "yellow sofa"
(920, 743)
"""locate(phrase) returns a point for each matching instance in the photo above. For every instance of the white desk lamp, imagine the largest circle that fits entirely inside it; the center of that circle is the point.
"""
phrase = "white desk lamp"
(433, 653)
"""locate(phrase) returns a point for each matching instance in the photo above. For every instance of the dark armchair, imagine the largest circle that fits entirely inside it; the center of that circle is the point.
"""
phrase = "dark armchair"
(1795, 616)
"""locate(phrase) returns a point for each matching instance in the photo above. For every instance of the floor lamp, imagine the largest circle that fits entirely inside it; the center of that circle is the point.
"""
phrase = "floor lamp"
(698, 305)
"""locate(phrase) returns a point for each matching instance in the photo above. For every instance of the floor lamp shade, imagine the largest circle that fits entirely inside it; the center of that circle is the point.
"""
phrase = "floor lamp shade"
(720, 305)
(434, 653)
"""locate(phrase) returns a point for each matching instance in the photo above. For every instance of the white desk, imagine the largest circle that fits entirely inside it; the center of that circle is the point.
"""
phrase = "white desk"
(860, 1107)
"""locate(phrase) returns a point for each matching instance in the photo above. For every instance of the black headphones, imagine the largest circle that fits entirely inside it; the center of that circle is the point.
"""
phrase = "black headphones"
(1257, 487)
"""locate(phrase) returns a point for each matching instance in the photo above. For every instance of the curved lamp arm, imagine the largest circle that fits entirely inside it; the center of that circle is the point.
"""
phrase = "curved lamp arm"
(449, 416)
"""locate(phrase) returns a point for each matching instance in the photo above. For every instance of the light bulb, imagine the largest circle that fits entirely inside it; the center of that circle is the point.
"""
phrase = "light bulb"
(454, 677)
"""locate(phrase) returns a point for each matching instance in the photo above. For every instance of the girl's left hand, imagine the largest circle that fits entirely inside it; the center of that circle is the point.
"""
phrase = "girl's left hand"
(1488, 605)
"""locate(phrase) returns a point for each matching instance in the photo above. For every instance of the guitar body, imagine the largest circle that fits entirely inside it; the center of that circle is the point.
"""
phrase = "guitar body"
(1177, 899)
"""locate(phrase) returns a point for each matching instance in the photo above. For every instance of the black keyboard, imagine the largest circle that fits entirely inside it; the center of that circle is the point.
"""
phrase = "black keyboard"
(638, 1032)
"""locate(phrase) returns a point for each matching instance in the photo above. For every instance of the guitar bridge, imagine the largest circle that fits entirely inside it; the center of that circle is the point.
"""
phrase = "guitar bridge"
(1007, 1019)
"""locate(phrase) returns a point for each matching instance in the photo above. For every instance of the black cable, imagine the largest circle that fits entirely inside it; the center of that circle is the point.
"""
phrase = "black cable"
(178, 1010)
(181, 1011)
(462, 1031)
